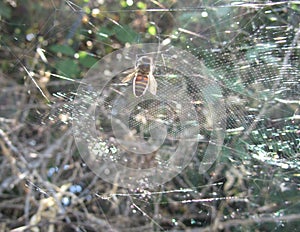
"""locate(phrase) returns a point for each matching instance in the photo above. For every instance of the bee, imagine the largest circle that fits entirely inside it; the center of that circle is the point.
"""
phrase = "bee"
(143, 77)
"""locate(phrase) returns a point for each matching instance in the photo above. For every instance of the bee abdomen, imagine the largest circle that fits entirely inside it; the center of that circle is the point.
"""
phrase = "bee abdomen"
(141, 83)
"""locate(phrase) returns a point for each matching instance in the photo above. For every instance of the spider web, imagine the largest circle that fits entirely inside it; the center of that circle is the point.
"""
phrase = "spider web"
(249, 49)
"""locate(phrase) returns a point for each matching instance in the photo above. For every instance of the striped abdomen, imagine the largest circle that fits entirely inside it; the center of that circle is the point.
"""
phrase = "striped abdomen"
(140, 84)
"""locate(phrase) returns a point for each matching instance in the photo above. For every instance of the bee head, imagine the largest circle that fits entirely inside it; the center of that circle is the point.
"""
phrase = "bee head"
(144, 62)
(147, 60)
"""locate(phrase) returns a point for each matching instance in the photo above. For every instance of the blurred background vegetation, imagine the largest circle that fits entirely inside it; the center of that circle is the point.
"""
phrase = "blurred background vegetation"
(252, 49)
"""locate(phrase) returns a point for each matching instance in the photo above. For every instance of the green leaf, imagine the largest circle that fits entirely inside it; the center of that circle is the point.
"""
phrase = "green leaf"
(295, 7)
(141, 5)
(68, 68)
(125, 34)
(152, 30)
(64, 49)
(5, 11)
(104, 33)
(86, 59)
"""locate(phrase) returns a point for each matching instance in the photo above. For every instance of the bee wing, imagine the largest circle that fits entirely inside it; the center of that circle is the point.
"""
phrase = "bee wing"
(152, 84)
(129, 77)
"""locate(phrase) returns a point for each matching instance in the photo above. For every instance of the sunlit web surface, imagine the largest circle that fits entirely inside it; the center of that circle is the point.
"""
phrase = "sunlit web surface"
(251, 49)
